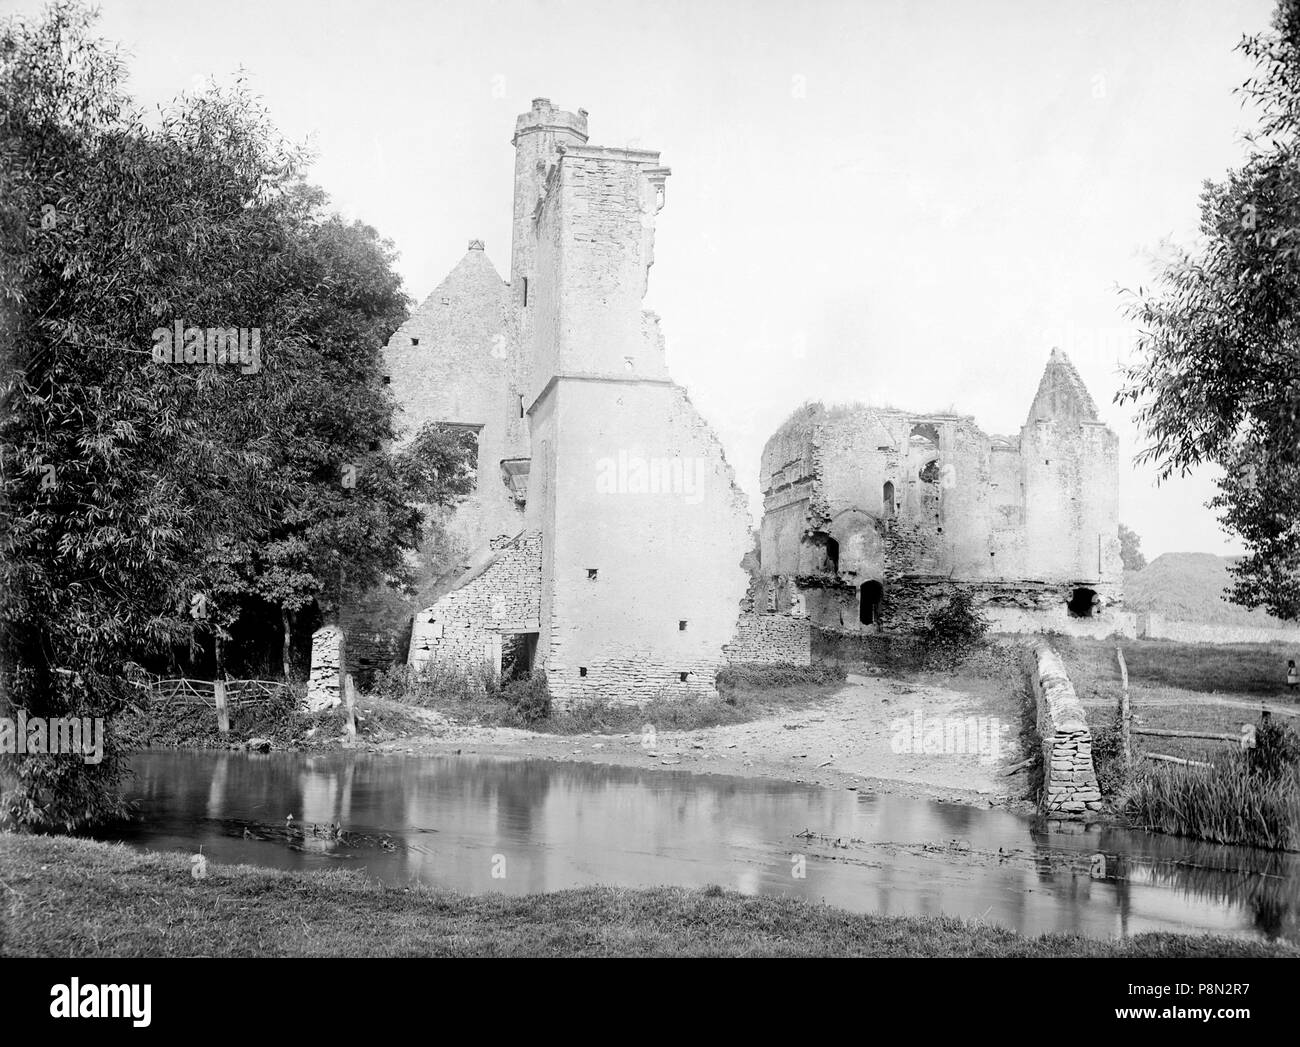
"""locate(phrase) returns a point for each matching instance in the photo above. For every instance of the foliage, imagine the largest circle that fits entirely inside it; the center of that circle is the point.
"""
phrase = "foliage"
(1226, 803)
(528, 700)
(1216, 374)
(1277, 750)
(953, 630)
(1108, 757)
(147, 506)
(1130, 549)
(1247, 797)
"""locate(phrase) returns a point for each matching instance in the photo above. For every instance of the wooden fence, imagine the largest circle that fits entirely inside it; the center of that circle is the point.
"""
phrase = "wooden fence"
(1244, 740)
(161, 692)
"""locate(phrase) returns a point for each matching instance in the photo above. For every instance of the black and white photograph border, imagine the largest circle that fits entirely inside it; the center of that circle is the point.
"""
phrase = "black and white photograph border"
(557, 478)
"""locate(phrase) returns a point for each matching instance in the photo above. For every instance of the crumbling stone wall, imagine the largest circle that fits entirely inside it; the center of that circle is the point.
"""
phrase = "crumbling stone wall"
(501, 595)
(922, 504)
(1069, 783)
(328, 664)
(772, 639)
(452, 362)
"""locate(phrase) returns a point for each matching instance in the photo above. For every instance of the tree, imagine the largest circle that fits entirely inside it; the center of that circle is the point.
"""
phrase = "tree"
(148, 504)
(1130, 549)
(1216, 373)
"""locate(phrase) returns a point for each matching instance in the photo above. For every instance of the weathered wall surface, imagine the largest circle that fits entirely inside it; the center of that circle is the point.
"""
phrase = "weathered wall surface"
(919, 504)
(776, 639)
(1155, 627)
(502, 595)
(328, 664)
(1056, 619)
(645, 499)
(643, 527)
(452, 362)
(1070, 783)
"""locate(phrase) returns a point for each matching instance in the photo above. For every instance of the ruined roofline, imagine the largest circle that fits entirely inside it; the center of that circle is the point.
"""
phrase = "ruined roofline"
(609, 152)
(812, 413)
(485, 559)
(1062, 394)
(544, 117)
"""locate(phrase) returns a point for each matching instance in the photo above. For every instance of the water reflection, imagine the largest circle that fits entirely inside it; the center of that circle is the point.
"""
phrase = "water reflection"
(477, 824)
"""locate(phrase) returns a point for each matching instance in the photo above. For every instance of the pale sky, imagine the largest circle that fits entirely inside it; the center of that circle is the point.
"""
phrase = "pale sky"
(889, 201)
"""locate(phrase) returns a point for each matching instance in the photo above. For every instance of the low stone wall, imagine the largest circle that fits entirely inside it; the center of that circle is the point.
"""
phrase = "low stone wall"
(1057, 619)
(1069, 780)
(1156, 627)
(770, 638)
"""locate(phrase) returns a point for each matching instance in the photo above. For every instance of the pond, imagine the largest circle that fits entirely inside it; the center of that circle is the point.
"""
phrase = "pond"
(477, 824)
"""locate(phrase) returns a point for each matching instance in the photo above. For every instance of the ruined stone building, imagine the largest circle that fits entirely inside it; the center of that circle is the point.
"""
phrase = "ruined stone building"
(873, 515)
(605, 536)
(606, 541)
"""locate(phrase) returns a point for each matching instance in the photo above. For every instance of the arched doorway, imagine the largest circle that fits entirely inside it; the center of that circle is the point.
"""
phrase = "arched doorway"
(870, 597)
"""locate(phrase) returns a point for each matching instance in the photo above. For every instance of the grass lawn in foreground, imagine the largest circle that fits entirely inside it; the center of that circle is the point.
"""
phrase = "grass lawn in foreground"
(71, 897)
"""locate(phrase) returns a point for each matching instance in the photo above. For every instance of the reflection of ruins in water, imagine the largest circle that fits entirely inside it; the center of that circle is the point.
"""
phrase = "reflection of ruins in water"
(453, 821)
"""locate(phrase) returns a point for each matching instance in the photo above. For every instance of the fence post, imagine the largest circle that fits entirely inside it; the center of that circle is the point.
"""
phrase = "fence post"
(223, 714)
(1123, 707)
(350, 699)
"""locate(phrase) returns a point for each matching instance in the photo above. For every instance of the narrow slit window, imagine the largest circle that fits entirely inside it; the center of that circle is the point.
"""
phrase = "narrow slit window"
(682, 676)
(582, 670)
(591, 574)
(681, 626)
(525, 292)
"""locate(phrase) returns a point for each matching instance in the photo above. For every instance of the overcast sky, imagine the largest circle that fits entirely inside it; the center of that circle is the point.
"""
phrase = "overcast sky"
(891, 201)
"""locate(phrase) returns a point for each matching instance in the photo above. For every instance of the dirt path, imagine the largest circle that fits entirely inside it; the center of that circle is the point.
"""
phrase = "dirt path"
(851, 739)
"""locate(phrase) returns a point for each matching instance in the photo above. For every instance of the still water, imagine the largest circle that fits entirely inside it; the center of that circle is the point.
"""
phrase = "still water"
(478, 824)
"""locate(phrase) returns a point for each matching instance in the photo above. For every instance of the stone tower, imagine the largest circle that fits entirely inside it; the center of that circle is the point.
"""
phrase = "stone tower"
(622, 577)
(540, 133)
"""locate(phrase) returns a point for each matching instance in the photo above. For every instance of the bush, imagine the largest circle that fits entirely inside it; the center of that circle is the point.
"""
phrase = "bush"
(954, 630)
(433, 684)
(1277, 749)
(529, 700)
(1108, 757)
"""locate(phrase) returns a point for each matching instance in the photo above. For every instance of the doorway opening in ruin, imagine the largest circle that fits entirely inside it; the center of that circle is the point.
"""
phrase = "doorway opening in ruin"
(832, 556)
(869, 599)
(1081, 603)
(518, 652)
(887, 499)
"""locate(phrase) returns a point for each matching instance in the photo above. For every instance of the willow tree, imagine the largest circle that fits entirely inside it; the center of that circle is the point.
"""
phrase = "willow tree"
(1217, 372)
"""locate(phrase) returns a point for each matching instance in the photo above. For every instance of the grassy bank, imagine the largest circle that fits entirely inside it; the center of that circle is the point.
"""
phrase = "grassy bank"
(67, 897)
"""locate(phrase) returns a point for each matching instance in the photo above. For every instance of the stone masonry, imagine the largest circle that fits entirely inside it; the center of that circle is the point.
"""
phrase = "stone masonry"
(499, 597)
(1069, 781)
(873, 515)
(325, 684)
(631, 529)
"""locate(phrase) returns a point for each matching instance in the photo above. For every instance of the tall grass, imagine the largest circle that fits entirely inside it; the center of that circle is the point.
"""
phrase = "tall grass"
(477, 695)
(1226, 803)
(476, 692)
